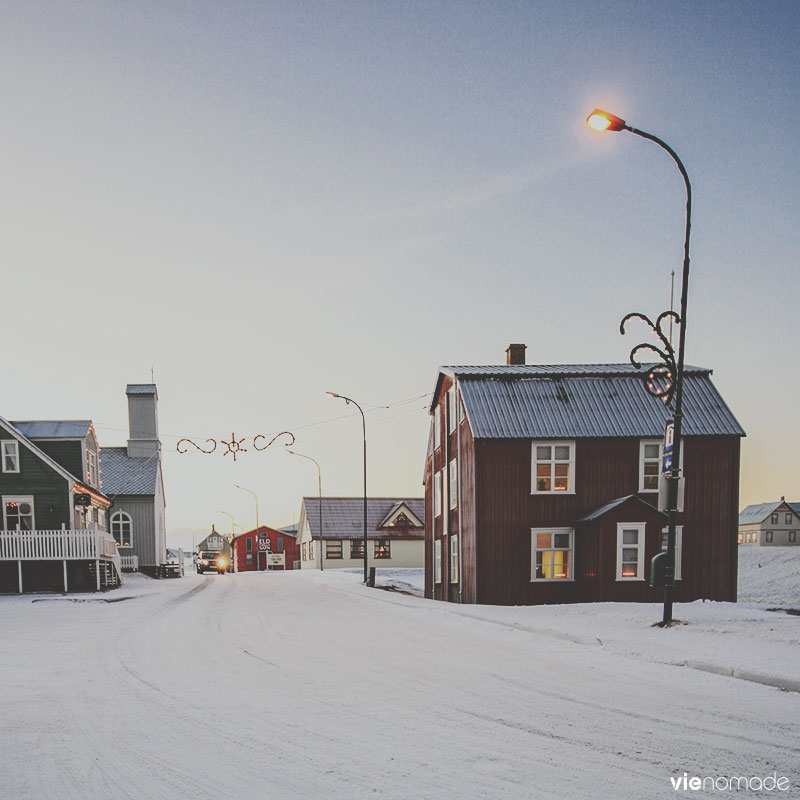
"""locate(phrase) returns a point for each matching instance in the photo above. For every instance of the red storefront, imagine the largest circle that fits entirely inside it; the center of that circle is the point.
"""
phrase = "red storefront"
(264, 549)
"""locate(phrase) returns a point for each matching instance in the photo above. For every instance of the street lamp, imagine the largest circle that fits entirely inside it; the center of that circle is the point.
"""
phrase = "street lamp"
(364, 426)
(659, 380)
(258, 529)
(233, 533)
(319, 473)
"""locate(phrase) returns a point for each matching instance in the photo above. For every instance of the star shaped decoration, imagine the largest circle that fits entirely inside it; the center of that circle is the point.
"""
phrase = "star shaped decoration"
(234, 446)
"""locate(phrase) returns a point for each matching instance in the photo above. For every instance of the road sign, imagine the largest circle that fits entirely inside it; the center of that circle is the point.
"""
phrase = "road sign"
(666, 450)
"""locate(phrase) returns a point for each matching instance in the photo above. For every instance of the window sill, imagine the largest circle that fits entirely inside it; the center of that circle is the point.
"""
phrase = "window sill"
(552, 580)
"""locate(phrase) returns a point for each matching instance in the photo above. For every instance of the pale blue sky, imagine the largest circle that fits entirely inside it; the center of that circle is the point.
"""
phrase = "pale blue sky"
(265, 201)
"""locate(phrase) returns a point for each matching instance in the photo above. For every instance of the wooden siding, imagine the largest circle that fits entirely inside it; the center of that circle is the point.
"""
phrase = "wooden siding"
(66, 452)
(49, 489)
(143, 538)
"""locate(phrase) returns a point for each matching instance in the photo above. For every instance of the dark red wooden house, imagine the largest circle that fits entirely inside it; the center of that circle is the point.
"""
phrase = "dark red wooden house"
(266, 548)
(541, 486)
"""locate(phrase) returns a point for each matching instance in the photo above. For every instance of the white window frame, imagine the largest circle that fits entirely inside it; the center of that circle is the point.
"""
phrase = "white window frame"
(571, 550)
(788, 519)
(437, 561)
(643, 443)
(121, 518)
(437, 494)
(678, 547)
(774, 519)
(769, 537)
(792, 537)
(10, 450)
(453, 479)
(454, 559)
(553, 461)
(16, 498)
(91, 467)
(451, 409)
(640, 528)
(437, 427)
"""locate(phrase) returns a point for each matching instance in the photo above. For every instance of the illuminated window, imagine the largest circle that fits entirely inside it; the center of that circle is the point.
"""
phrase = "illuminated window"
(630, 551)
(383, 549)
(551, 554)
(10, 456)
(678, 547)
(357, 548)
(122, 528)
(437, 561)
(18, 513)
(649, 465)
(453, 559)
(333, 548)
(553, 467)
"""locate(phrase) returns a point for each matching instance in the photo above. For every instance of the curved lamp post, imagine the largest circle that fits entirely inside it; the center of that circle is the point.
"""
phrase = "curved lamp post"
(364, 426)
(319, 474)
(666, 380)
(234, 525)
(258, 527)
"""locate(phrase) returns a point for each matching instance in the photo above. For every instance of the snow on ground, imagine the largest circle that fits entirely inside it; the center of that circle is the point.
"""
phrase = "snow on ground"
(308, 685)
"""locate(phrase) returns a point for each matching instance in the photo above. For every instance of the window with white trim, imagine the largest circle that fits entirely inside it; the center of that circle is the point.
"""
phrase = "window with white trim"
(678, 547)
(122, 528)
(10, 455)
(454, 559)
(437, 494)
(437, 561)
(649, 464)
(18, 513)
(91, 467)
(551, 554)
(437, 427)
(630, 551)
(792, 536)
(774, 519)
(451, 409)
(553, 467)
(333, 548)
(768, 537)
(788, 519)
(453, 473)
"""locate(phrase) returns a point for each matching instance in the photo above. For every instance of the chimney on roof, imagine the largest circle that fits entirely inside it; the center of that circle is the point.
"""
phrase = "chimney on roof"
(515, 354)
(143, 420)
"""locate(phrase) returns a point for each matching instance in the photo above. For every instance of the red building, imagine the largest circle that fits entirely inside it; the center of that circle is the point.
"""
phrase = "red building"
(266, 548)
(541, 486)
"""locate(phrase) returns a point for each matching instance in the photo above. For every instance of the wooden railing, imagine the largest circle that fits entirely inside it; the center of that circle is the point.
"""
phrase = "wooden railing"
(130, 563)
(57, 545)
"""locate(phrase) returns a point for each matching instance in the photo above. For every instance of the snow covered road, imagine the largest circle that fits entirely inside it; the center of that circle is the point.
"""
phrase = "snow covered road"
(290, 685)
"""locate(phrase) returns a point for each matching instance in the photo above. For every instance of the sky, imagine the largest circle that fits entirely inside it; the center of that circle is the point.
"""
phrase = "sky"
(254, 203)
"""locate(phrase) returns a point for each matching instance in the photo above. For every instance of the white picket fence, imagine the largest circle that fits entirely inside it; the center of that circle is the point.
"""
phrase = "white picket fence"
(57, 545)
(130, 563)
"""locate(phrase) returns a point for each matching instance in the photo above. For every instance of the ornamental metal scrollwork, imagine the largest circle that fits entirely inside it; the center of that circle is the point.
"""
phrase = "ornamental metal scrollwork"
(193, 444)
(282, 433)
(660, 378)
(235, 446)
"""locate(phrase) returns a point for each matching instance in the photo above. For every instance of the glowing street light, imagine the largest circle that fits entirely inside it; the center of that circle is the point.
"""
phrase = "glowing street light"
(659, 379)
(319, 474)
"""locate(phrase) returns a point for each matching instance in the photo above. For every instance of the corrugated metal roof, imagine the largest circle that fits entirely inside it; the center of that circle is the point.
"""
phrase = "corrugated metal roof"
(598, 512)
(140, 388)
(583, 401)
(760, 511)
(343, 517)
(122, 474)
(54, 429)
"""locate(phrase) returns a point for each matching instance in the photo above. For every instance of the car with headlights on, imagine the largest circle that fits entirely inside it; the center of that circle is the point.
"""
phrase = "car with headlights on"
(209, 561)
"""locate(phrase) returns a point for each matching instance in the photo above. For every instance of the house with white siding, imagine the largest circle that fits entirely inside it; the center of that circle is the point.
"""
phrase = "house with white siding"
(395, 532)
(770, 524)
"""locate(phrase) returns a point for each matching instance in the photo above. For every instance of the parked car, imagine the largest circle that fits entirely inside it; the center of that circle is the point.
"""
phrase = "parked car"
(208, 561)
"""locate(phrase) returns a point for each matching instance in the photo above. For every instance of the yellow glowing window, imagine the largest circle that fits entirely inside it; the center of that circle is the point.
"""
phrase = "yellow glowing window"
(553, 467)
(552, 554)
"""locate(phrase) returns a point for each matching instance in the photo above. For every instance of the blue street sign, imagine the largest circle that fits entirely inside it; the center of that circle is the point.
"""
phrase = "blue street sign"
(666, 451)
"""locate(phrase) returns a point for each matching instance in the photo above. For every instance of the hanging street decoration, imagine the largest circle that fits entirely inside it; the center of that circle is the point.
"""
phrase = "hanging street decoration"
(235, 446)
(660, 378)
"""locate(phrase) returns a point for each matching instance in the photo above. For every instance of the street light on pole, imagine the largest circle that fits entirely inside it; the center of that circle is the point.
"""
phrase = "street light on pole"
(349, 400)
(659, 381)
(258, 529)
(319, 473)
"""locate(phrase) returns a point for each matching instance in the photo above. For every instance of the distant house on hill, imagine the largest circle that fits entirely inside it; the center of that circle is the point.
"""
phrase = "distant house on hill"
(395, 532)
(770, 524)
(541, 486)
